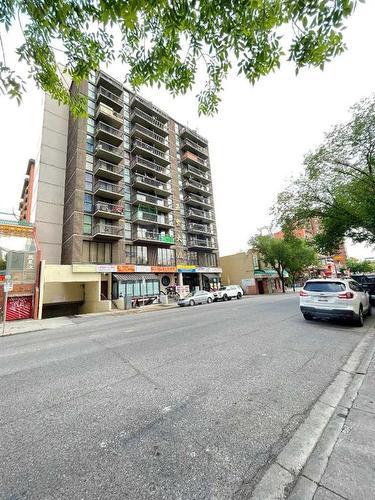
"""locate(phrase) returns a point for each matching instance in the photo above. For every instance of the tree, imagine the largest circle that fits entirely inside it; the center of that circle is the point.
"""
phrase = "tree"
(291, 255)
(163, 42)
(337, 185)
(358, 266)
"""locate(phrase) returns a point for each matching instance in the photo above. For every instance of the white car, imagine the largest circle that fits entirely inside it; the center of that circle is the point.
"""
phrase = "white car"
(334, 299)
(196, 297)
(229, 292)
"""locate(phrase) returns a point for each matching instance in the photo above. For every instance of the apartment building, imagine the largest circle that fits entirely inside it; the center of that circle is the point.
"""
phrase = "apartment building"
(132, 194)
(27, 192)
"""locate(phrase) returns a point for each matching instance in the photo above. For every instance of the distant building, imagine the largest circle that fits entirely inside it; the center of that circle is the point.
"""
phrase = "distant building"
(26, 200)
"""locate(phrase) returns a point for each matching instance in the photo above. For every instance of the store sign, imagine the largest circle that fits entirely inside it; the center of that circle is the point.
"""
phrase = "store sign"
(8, 286)
(248, 282)
(209, 270)
(182, 290)
(163, 269)
(125, 269)
(186, 269)
(106, 268)
(84, 268)
(17, 230)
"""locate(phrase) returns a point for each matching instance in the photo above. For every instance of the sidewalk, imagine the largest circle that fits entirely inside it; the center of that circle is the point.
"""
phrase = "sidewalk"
(32, 325)
(342, 464)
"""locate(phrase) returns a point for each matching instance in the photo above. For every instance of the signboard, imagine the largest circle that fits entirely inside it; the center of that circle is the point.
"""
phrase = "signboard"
(163, 269)
(125, 269)
(182, 290)
(106, 268)
(209, 270)
(186, 269)
(16, 230)
(248, 282)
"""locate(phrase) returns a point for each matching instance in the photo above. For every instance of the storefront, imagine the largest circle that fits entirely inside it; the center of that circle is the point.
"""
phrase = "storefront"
(204, 278)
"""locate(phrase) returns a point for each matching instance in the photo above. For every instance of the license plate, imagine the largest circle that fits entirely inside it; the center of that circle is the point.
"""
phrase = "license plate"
(322, 300)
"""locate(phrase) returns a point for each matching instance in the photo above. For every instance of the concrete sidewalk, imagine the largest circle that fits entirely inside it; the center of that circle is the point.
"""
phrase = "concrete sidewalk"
(32, 325)
(342, 464)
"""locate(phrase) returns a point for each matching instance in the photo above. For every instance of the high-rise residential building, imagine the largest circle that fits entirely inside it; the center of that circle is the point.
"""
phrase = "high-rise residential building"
(129, 188)
(25, 204)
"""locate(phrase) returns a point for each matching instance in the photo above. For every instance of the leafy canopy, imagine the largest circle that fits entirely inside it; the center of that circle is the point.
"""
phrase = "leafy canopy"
(337, 184)
(164, 42)
(360, 266)
(290, 254)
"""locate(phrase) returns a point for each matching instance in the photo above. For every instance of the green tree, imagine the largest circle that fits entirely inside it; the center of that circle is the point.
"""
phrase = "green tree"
(360, 266)
(290, 254)
(337, 185)
(164, 42)
(3, 264)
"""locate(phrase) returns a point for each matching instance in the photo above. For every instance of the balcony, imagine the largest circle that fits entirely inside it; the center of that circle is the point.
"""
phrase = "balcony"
(108, 115)
(161, 204)
(199, 228)
(108, 133)
(108, 210)
(197, 243)
(201, 215)
(107, 231)
(192, 159)
(109, 83)
(198, 201)
(140, 132)
(151, 185)
(109, 171)
(159, 220)
(107, 97)
(148, 107)
(141, 165)
(139, 116)
(108, 190)
(192, 134)
(150, 236)
(196, 187)
(194, 148)
(108, 152)
(197, 173)
(149, 152)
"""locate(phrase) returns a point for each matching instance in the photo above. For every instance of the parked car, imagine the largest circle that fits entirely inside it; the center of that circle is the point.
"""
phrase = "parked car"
(368, 283)
(335, 299)
(228, 292)
(198, 297)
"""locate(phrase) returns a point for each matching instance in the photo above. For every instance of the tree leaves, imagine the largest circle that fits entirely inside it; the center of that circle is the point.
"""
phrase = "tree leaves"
(164, 42)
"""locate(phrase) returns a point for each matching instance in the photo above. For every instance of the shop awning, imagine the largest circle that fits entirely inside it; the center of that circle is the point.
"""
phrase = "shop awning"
(268, 273)
(135, 276)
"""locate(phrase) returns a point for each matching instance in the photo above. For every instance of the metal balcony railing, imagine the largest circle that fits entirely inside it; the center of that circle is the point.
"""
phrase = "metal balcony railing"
(148, 217)
(202, 228)
(190, 156)
(149, 118)
(108, 129)
(144, 234)
(109, 167)
(189, 169)
(199, 213)
(151, 149)
(153, 200)
(198, 199)
(151, 182)
(197, 242)
(198, 185)
(149, 105)
(107, 186)
(194, 145)
(138, 160)
(186, 130)
(109, 208)
(104, 146)
(110, 95)
(149, 133)
(107, 229)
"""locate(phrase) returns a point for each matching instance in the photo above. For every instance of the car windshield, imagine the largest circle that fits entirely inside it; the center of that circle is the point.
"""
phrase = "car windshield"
(223, 288)
(324, 286)
(191, 294)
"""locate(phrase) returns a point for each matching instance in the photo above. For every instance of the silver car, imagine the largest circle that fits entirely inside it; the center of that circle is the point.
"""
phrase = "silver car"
(199, 297)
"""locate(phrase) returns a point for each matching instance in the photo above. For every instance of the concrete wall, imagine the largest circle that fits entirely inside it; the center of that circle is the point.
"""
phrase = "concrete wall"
(236, 267)
(50, 180)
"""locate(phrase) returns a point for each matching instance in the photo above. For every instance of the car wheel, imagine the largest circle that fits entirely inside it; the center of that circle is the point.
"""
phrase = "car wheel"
(209, 300)
(307, 317)
(360, 320)
(239, 296)
(225, 297)
(192, 303)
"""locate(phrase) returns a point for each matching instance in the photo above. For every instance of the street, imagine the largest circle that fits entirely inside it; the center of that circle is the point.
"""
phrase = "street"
(187, 403)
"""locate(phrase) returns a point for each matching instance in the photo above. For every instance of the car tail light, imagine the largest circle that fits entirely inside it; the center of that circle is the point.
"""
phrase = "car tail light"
(346, 295)
(302, 293)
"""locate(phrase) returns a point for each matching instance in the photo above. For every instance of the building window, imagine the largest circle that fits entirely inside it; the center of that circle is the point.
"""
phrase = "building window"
(97, 253)
(138, 288)
(207, 259)
(90, 144)
(192, 258)
(87, 224)
(127, 193)
(90, 125)
(91, 108)
(127, 211)
(166, 257)
(127, 231)
(91, 91)
(184, 239)
(136, 255)
(88, 182)
(92, 77)
(87, 207)
(127, 175)
(89, 162)
(126, 142)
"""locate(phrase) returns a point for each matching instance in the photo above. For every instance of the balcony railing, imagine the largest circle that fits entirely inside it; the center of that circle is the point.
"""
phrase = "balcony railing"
(154, 218)
(199, 228)
(145, 132)
(108, 81)
(144, 234)
(103, 127)
(108, 97)
(194, 198)
(192, 158)
(108, 170)
(148, 199)
(195, 212)
(108, 190)
(193, 145)
(155, 183)
(189, 169)
(200, 243)
(193, 133)
(108, 208)
(108, 230)
(107, 113)
(191, 183)
(143, 145)
(148, 105)
(108, 152)
(138, 113)
(141, 164)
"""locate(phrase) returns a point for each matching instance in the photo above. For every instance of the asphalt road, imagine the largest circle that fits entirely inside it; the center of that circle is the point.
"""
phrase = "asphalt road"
(189, 403)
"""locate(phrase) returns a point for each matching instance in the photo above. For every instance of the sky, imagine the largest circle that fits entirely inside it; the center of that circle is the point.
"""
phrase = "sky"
(257, 140)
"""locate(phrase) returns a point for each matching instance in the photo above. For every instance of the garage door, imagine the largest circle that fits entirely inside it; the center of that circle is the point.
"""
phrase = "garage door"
(19, 308)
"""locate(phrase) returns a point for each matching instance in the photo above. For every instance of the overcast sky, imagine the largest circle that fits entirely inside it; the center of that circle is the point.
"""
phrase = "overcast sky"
(257, 140)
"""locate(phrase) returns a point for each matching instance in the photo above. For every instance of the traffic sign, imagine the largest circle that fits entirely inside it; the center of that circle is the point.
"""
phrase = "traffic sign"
(8, 286)
(8, 277)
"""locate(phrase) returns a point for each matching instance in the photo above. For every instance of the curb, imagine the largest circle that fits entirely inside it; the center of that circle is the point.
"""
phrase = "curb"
(325, 420)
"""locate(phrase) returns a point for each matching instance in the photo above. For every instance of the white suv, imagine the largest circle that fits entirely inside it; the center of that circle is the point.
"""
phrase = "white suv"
(334, 299)
(229, 292)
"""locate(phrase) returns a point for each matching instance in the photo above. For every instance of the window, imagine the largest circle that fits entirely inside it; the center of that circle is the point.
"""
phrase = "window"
(126, 142)
(92, 77)
(127, 193)
(166, 257)
(97, 252)
(184, 239)
(136, 255)
(207, 259)
(127, 175)
(90, 144)
(91, 108)
(355, 286)
(192, 258)
(87, 207)
(324, 286)
(88, 182)
(89, 162)
(87, 224)
(127, 231)
(91, 91)
(127, 211)
(90, 125)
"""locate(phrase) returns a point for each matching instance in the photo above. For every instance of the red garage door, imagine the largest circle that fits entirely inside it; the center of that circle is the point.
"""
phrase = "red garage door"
(19, 308)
